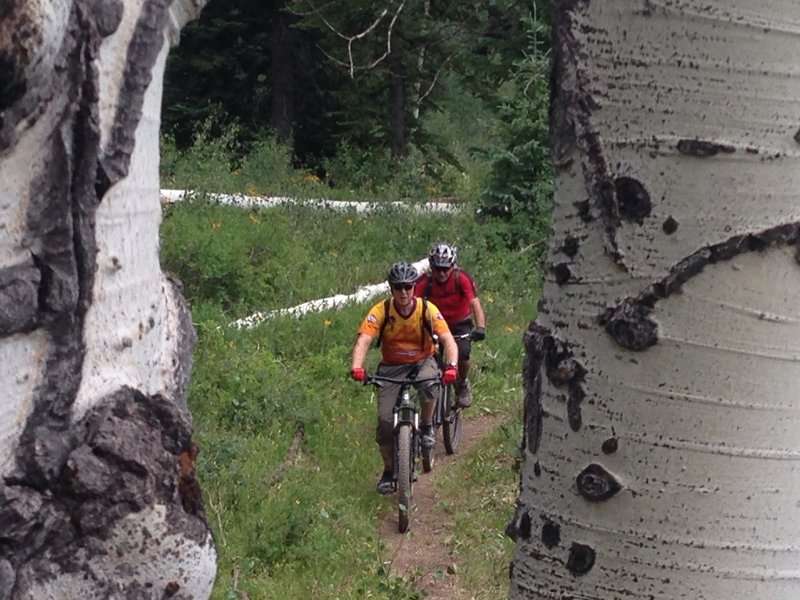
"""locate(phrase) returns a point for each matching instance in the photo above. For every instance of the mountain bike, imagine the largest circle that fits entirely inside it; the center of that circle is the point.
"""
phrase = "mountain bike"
(406, 447)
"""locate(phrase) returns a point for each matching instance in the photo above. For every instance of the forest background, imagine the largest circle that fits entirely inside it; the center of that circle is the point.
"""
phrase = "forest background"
(435, 101)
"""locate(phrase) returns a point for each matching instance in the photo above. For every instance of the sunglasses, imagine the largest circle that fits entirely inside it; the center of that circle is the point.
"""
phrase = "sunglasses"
(441, 269)
(402, 286)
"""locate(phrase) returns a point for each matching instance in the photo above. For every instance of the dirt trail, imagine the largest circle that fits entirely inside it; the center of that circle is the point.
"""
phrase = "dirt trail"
(424, 553)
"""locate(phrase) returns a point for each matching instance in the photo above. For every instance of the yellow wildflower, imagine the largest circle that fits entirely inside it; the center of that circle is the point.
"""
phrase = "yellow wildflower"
(327, 322)
(216, 224)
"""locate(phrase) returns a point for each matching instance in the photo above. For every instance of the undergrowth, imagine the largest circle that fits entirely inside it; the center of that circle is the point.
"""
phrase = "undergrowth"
(307, 525)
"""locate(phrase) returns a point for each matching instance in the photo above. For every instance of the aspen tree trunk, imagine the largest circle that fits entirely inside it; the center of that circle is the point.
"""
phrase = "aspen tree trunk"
(97, 497)
(662, 405)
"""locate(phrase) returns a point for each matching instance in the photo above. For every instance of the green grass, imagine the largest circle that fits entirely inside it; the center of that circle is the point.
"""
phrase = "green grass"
(310, 529)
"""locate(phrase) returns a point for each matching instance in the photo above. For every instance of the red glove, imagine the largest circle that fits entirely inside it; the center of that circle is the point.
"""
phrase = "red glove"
(358, 374)
(449, 375)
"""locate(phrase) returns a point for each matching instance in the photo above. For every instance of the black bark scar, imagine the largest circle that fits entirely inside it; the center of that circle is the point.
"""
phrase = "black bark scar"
(581, 558)
(596, 484)
(571, 106)
(629, 322)
(519, 527)
(147, 42)
(547, 353)
(60, 221)
(534, 340)
(114, 464)
(703, 148)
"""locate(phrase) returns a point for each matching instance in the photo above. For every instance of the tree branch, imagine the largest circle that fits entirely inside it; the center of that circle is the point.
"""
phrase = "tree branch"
(350, 64)
(435, 77)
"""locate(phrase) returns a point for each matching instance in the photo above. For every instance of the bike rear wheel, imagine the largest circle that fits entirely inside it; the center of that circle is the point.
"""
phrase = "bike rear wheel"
(405, 474)
(451, 421)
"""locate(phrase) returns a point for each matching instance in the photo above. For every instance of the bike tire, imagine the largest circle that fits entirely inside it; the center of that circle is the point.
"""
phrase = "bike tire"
(451, 421)
(405, 474)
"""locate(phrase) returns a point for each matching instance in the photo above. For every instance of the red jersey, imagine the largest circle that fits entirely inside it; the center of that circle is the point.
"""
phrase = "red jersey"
(453, 299)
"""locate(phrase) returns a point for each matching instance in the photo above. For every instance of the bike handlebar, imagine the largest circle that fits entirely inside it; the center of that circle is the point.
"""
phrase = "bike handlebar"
(460, 336)
(378, 380)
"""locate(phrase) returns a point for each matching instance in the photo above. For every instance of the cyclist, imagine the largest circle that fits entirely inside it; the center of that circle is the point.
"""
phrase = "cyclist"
(404, 327)
(455, 293)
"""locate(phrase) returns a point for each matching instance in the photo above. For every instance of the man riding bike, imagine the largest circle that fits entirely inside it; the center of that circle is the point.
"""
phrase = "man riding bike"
(404, 327)
(455, 293)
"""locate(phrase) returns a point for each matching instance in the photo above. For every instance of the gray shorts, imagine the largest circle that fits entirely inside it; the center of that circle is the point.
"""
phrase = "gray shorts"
(387, 395)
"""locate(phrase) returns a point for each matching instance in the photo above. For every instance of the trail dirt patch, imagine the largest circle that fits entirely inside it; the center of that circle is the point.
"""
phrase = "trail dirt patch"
(423, 554)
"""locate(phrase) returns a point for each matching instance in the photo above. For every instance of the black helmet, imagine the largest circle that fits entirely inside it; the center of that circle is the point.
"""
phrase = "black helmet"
(442, 255)
(402, 272)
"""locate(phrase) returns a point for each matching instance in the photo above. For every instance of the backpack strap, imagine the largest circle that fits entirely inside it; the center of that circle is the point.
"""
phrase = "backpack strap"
(457, 275)
(426, 324)
(385, 320)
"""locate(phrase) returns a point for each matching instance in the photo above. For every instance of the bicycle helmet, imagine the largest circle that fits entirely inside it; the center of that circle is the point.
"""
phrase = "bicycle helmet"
(402, 272)
(442, 255)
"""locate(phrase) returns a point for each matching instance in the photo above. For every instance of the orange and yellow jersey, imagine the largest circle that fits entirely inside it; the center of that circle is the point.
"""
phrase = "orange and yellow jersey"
(404, 339)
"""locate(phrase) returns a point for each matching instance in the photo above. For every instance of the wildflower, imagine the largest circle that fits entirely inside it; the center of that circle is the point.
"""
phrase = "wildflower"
(216, 224)
(509, 329)
(349, 221)
(254, 219)
(489, 298)
(327, 322)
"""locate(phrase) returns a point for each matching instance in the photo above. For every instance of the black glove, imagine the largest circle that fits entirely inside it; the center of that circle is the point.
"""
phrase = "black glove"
(478, 334)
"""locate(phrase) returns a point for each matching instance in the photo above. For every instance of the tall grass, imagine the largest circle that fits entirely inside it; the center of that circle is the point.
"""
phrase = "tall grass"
(306, 525)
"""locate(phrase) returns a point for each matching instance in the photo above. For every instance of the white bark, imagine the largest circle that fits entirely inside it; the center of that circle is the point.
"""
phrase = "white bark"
(362, 294)
(243, 201)
(662, 435)
(96, 341)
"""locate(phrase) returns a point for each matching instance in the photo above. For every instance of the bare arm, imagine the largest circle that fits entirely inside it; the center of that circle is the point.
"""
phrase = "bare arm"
(360, 348)
(477, 312)
(450, 348)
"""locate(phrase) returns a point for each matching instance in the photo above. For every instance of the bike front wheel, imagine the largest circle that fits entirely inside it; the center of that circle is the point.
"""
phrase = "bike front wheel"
(405, 474)
(451, 420)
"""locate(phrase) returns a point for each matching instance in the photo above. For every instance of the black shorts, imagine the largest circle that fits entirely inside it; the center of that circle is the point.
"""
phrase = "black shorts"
(464, 344)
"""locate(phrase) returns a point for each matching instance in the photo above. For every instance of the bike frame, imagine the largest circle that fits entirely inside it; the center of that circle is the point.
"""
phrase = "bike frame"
(405, 411)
